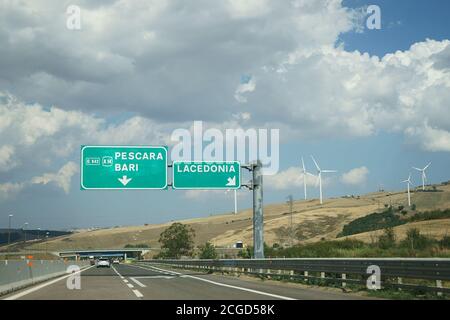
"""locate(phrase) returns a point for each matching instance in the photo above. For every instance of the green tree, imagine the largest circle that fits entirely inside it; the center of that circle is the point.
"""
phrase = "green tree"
(416, 241)
(208, 251)
(387, 239)
(245, 253)
(177, 241)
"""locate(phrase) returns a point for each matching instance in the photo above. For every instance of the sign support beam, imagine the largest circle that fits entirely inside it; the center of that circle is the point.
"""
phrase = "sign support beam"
(258, 216)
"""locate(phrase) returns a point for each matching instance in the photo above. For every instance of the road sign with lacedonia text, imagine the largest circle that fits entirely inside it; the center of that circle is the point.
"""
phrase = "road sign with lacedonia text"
(206, 175)
(123, 167)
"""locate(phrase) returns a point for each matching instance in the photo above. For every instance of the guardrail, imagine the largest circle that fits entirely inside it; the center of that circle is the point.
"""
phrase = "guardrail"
(17, 274)
(393, 271)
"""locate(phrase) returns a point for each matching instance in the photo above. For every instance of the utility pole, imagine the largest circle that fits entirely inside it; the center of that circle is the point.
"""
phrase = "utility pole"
(46, 242)
(258, 216)
(235, 201)
(25, 232)
(9, 230)
(291, 230)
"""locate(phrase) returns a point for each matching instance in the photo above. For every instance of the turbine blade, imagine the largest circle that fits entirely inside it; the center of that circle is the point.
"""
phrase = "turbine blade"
(329, 171)
(417, 169)
(427, 166)
(315, 163)
(303, 166)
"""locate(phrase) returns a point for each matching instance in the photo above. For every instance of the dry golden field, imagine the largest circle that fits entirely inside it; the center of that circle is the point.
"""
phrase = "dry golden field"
(313, 221)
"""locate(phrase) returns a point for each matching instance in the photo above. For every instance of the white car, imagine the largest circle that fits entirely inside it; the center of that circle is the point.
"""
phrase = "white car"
(116, 261)
(103, 263)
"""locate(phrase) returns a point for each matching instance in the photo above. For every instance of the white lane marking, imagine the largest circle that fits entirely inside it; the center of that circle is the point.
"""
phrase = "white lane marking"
(154, 277)
(39, 287)
(160, 270)
(138, 294)
(233, 287)
(138, 282)
(239, 288)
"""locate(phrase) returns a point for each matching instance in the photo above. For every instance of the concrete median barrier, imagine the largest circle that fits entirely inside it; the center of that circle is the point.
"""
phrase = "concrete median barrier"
(17, 274)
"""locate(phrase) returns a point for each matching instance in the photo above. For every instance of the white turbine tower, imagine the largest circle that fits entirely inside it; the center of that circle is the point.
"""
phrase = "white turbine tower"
(305, 173)
(424, 176)
(319, 177)
(408, 182)
(235, 199)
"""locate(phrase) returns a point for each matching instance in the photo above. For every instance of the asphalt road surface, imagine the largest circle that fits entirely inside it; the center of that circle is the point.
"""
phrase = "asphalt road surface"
(125, 281)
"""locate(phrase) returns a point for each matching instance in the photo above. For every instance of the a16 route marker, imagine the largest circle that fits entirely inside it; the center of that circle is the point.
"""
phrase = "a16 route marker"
(206, 175)
(123, 167)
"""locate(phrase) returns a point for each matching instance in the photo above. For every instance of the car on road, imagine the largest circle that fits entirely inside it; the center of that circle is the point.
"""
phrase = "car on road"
(116, 261)
(103, 263)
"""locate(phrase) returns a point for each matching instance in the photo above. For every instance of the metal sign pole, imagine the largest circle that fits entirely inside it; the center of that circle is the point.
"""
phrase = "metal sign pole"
(258, 220)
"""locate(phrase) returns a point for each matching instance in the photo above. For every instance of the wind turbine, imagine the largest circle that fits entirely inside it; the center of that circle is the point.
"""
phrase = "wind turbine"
(319, 177)
(304, 176)
(408, 182)
(424, 176)
(235, 199)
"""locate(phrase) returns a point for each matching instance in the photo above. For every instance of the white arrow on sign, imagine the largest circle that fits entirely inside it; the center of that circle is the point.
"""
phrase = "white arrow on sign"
(124, 180)
(231, 182)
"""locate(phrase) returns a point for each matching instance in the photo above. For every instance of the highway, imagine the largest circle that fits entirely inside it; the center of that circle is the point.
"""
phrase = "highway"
(126, 281)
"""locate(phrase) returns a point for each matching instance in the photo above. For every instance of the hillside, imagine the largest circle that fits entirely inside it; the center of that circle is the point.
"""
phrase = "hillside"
(312, 221)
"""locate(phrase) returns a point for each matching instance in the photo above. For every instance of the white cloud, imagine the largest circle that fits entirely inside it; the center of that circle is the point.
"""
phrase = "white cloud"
(9, 189)
(356, 177)
(248, 9)
(290, 178)
(61, 178)
(249, 86)
(144, 58)
(7, 160)
(430, 139)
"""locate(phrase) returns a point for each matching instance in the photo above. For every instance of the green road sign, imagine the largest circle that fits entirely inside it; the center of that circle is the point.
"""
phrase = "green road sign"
(206, 175)
(123, 167)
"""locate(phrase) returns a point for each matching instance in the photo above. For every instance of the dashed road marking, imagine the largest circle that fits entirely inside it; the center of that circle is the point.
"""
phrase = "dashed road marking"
(138, 294)
(138, 282)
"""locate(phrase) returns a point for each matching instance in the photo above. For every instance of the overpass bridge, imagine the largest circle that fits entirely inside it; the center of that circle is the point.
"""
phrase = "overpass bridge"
(96, 253)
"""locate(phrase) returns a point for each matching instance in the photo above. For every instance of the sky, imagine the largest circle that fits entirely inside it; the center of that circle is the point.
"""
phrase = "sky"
(370, 103)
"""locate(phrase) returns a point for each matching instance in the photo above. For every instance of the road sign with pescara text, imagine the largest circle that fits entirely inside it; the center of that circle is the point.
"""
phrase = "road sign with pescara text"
(123, 167)
(206, 175)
